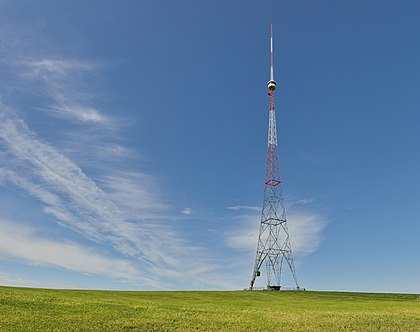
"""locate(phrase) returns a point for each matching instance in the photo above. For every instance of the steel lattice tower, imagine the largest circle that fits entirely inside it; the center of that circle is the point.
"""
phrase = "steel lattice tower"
(273, 246)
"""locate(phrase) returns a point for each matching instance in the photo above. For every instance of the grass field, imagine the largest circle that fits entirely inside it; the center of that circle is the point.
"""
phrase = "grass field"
(69, 310)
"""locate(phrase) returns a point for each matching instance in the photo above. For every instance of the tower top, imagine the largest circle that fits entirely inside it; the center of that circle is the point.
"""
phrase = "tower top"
(271, 83)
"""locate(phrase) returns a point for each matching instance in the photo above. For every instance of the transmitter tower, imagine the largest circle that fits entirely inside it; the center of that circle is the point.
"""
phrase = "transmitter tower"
(273, 246)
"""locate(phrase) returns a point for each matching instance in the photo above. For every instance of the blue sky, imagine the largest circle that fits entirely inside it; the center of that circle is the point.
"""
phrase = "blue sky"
(133, 141)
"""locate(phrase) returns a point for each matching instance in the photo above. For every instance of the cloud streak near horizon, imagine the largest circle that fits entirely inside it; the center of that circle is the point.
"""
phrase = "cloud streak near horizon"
(18, 241)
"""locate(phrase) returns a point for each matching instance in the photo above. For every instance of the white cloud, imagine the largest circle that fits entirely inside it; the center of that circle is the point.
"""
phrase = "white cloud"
(106, 203)
(305, 231)
(32, 188)
(82, 176)
(79, 203)
(305, 201)
(7, 279)
(62, 81)
(48, 68)
(119, 208)
(21, 242)
(244, 207)
(244, 235)
(80, 113)
(186, 211)
(97, 150)
(135, 193)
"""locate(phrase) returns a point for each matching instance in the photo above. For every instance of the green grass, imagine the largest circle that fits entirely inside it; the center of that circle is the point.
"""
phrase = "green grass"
(69, 310)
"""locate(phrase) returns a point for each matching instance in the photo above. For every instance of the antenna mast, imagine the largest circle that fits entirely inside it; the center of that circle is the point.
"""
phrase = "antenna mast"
(271, 56)
(273, 246)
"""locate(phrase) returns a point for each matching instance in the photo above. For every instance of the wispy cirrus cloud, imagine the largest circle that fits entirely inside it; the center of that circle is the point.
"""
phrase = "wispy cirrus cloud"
(304, 201)
(79, 113)
(244, 207)
(120, 208)
(68, 193)
(61, 79)
(13, 280)
(49, 68)
(135, 193)
(186, 211)
(18, 241)
(85, 180)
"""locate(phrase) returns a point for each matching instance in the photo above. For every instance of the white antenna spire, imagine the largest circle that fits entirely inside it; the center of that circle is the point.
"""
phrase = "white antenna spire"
(271, 54)
(271, 83)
